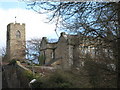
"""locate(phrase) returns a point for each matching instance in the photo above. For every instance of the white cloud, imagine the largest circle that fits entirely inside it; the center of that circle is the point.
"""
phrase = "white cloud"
(35, 26)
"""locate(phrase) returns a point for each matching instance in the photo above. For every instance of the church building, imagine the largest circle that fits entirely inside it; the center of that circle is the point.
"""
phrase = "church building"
(15, 44)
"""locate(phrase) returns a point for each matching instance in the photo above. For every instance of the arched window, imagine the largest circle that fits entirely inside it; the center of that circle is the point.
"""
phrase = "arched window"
(18, 34)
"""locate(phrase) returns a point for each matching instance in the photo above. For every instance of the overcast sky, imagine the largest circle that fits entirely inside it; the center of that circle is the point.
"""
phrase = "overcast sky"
(35, 23)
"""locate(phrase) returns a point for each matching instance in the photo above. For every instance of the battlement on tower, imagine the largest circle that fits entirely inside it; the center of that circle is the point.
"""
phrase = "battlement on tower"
(16, 24)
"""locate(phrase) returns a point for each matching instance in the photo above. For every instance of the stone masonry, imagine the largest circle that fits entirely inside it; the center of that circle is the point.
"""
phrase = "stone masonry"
(15, 41)
(64, 53)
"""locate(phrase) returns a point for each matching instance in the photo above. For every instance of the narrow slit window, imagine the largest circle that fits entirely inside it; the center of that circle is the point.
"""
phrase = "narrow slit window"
(18, 34)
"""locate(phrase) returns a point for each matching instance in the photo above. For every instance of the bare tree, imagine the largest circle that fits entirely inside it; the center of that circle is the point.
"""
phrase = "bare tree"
(90, 18)
(33, 49)
(96, 19)
(3, 51)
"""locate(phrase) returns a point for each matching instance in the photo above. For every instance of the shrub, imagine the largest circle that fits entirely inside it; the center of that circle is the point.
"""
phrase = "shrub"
(99, 75)
(29, 75)
(61, 79)
(12, 62)
(23, 61)
(65, 85)
(28, 63)
(37, 84)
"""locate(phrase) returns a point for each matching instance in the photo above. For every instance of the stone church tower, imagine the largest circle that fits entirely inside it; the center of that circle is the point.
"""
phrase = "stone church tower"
(15, 41)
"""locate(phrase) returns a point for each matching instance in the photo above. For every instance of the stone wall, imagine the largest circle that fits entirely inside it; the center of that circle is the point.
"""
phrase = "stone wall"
(15, 41)
(66, 54)
(62, 53)
(9, 77)
(47, 50)
(48, 55)
(13, 76)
